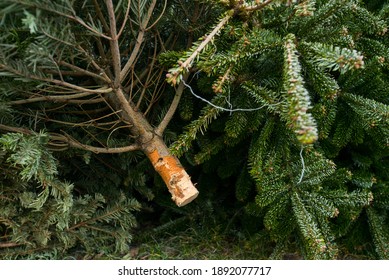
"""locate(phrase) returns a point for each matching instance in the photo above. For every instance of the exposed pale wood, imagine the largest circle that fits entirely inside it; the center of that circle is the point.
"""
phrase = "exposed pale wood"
(173, 174)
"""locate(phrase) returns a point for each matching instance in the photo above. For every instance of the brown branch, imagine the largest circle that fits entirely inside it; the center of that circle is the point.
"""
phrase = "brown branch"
(151, 68)
(114, 43)
(134, 54)
(94, 63)
(125, 19)
(55, 81)
(80, 21)
(72, 142)
(97, 150)
(158, 90)
(101, 16)
(89, 123)
(139, 41)
(140, 125)
(86, 101)
(9, 245)
(55, 98)
(159, 18)
(82, 111)
(84, 71)
(172, 109)
(15, 129)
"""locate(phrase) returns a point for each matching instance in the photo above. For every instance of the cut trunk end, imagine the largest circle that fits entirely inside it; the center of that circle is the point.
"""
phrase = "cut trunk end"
(175, 177)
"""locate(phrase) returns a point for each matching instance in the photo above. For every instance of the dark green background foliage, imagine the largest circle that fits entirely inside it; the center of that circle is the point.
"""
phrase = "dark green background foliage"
(299, 154)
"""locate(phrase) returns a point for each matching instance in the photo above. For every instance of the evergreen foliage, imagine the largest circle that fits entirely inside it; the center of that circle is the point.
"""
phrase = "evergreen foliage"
(59, 70)
(315, 75)
(292, 142)
(42, 217)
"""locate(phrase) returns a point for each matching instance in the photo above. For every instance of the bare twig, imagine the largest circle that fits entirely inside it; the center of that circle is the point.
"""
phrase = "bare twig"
(172, 109)
(94, 63)
(114, 43)
(55, 98)
(139, 41)
(125, 19)
(9, 245)
(151, 69)
(97, 150)
(101, 16)
(134, 54)
(54, 81)
(158, 90)
(159, 18)
(83, 71)
(58, 138)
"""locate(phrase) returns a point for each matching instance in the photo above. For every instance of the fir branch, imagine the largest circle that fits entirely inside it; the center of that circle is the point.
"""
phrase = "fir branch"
(200, 125)
(335, 58)
(378, 228)
(297, 96)
(175, 75)
(315, 242)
